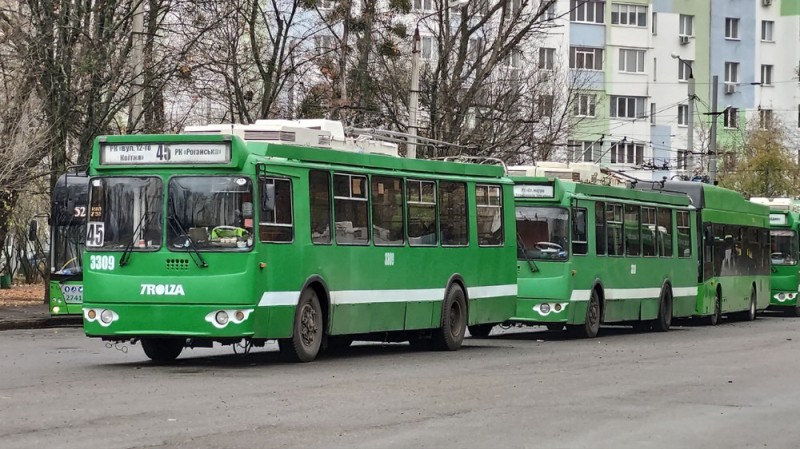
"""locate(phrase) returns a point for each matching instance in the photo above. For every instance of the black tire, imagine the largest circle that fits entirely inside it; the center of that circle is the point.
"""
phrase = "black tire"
(163, 350)
(716, 317)
(591, 325)
(307, 332)
(750, 313)
(555, 327)
(480, 330)
(450, 334)
(664, 320)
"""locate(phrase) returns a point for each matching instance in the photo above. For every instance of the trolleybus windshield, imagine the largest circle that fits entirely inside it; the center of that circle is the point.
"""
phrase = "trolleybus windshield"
(125, 213)
(784, 247)
(544, 232)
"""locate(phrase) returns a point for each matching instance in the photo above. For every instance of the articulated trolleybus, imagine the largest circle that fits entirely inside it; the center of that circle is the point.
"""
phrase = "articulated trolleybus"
(784, 220)
(591, 254)
(68, 209)
(239, 234)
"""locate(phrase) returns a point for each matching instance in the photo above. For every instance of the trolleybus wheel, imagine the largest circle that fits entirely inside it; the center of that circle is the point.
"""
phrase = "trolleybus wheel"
(306, 338)
(163, 350)
(591, 326)
(664, 320)
(480, 330)
(450, 335)
(555, 327)
(750, 313)
(715, 317)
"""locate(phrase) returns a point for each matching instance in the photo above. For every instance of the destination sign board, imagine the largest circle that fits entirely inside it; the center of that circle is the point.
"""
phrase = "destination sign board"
(533, 191)
(165, 153)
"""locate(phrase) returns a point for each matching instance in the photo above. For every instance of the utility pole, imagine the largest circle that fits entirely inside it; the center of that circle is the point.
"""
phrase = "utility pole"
(137, 57)
(712, 146)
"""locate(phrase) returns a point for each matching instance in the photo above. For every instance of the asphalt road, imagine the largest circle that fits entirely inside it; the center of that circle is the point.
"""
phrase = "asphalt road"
(733, 386)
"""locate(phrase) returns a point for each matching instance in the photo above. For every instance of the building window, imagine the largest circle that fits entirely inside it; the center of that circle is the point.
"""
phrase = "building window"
(428, 50)
(729, 118)
(544, 106)
(765, 118)
(655, 24)
(731, 28)
(732, 72)
(546, 57)
(767, 28)
(548, 14)
(686, 25)
(591, 11)
(585, 105)
(585, 151)
(766, 75)
(682, 159)
(627, 107)
(586, 58)
(325, 43)
(683, 115)
(424, 5)
(685, 69)
(632, 15)
(627, 153)
(631, 61)
(652, 113)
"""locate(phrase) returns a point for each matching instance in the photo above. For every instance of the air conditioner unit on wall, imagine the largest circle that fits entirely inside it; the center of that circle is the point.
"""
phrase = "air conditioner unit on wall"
(730, 88)
(684, 39)
(766, 2)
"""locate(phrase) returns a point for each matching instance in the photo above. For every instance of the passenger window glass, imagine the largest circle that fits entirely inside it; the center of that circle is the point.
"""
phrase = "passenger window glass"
(614, 227)
(275, 224)
(600, 228)
(319, 199)
(453, 213)
(684, 234)
(579, 245)
(648, 231)
(489, 202)
(633, 245)
(421, 212)
(665, 232)
(350, 209)
(387, 210)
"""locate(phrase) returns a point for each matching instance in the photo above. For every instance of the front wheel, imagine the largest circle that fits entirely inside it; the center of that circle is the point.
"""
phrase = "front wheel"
(480, 330)
(664, 320)
(306, 338)
(450, 334)
(591, 325)
(715, 317)
(163, 350)
(750, 315)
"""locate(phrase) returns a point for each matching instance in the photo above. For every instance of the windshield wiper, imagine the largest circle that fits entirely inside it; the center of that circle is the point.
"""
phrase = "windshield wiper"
(182, 232)
(521, 245)
(126, 255)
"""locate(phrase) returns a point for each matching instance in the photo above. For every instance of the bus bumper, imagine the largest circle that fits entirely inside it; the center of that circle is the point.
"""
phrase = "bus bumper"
(783, 299)
(545, 310)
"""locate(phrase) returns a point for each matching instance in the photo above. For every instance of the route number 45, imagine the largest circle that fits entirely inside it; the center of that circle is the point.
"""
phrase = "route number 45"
(95, 233)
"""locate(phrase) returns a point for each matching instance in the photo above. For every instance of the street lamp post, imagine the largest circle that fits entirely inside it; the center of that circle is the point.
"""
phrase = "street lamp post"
(690, 112)
(413, 97)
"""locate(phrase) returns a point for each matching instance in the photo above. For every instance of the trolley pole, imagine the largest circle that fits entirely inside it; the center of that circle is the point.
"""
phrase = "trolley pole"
(413, 98)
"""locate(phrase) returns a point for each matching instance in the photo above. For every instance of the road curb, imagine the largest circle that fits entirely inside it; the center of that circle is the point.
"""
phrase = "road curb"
(40, 323)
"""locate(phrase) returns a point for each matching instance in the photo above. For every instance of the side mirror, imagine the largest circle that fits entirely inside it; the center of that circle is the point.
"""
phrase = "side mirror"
(33, 230)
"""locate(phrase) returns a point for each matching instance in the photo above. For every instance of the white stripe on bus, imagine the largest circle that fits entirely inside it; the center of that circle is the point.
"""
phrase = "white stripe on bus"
(632, 293)
(387, 296)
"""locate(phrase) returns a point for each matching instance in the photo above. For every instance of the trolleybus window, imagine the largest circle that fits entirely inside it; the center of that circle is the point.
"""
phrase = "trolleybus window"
(579, 245)
(387, 211)
(544, 233)
(125, 212)
(453, 213)
(210, 213)
(614, 226)
(421, 212)
(633, 236)
(649, 231)
(319, 198)
(350, 209)
(489, 203)
(665, 232)
(783, 247)
(684, 233)
(600, 228)
(275, 222)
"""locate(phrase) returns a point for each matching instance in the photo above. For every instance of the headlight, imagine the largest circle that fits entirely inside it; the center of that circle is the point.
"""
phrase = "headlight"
(545, 308)
(221, 317)
(107, 316)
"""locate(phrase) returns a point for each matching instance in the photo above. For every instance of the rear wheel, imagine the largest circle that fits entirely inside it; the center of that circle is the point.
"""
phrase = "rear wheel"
(450, 335)
(306, 338)
(163, 350)
(480, 330)
(664, 320)
(715, 317)
(750, 313)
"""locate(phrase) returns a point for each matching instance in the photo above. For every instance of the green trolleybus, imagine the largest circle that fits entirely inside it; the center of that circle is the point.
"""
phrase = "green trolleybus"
(784, 218)
(590, 254)
(68, 208)
(242, 234)
(733, 274)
